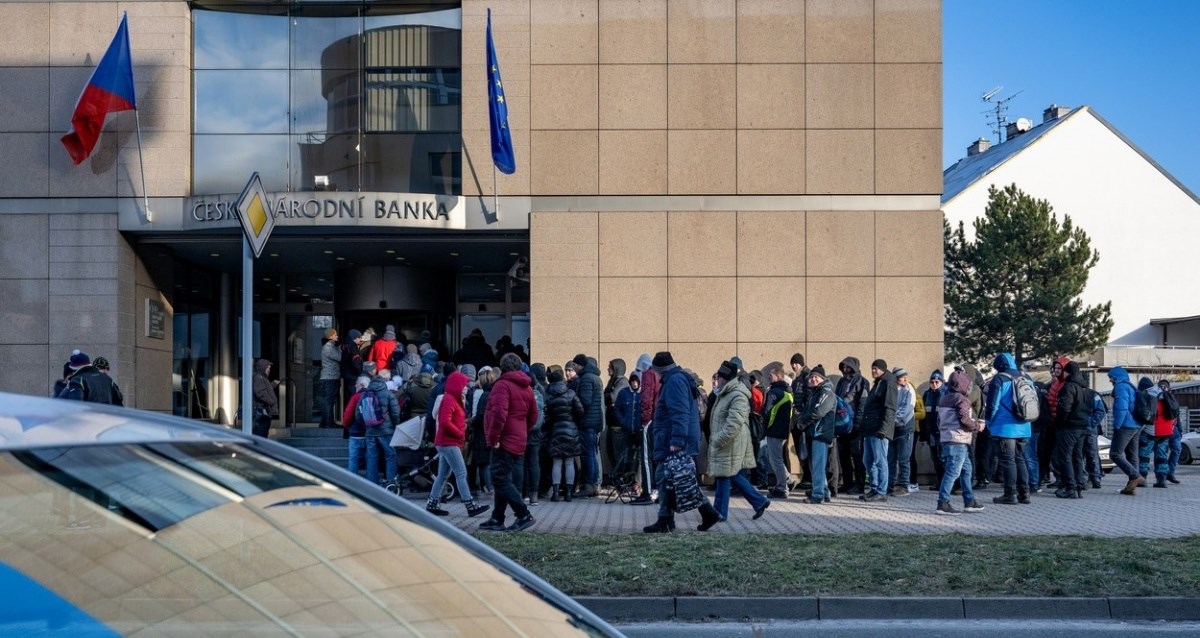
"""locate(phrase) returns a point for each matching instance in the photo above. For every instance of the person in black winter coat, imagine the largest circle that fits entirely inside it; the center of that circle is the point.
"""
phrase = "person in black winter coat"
(777, 410)
(853, 389)
(878, 427)
(563, 411)
(1070, 423)
(591, 395)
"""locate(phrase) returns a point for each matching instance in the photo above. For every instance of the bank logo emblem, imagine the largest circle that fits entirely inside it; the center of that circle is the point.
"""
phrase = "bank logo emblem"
(254, 212)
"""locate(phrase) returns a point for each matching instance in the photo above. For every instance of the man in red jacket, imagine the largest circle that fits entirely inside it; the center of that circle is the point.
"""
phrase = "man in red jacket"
(511, 411)
(650, 386)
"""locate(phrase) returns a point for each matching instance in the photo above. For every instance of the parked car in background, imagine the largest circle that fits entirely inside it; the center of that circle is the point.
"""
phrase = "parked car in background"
(117, 522)
(1191, 448)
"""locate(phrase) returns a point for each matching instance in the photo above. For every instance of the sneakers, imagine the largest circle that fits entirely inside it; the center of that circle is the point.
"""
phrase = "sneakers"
(475, 509)
(946, 509)
(1171, 478)
(1023, 499)
(1095, 484)
(642, 499)
(913, 488)
(663, 525)
(875, 497)
(973, 507)
(492, 525)
(435, 508)
(759, 511)
(521, 524)
(812, 500)
(1006, 499)
(779, 494)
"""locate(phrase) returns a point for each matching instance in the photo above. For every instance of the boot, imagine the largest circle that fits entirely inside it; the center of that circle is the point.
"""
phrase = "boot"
(1171, 478)
(1023, 498)
(475, 509)
(1130, 489)
(1141, 481)
(567, 494)
(435, 508)
(1161, 481)
(708, 517)
(554, 493)
(663, 525)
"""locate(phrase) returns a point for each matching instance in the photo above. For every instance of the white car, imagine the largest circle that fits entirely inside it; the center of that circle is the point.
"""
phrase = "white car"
(1191, 448)
(119, 522)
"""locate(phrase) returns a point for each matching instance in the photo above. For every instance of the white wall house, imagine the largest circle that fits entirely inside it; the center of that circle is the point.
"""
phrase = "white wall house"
(1144, 223)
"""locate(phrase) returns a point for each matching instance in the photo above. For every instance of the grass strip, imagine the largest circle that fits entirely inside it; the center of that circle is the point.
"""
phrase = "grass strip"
(856, 565)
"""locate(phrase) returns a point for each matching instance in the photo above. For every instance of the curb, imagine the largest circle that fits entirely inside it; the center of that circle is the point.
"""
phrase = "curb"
(704, 608)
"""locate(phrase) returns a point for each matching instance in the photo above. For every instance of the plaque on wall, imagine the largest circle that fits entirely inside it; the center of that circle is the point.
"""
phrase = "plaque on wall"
(156, 319)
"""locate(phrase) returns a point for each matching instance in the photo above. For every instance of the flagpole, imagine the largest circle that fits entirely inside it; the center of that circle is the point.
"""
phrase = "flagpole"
(495, 192)
(142, 164)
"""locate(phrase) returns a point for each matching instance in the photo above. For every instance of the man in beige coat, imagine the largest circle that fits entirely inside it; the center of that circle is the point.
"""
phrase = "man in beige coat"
(730, 450)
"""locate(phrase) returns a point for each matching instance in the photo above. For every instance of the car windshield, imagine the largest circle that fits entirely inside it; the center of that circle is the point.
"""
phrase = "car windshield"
(218, 538)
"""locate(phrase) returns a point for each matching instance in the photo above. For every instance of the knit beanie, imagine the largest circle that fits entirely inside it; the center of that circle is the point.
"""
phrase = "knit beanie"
(390, 332)
(818, 371)
(879, 363)
(580, 360)
(798, 359)
(899, 372)
(937, 376)
(727, 371)
(663, 359)
(79, 360)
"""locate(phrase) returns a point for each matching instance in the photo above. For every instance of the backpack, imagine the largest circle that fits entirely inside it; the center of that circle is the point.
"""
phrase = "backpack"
(1170, 409)
(369, 410)
(75, 389)
(843, 422)
(786, 400)
(757, 430)
(1144, 408)
(1026, 405)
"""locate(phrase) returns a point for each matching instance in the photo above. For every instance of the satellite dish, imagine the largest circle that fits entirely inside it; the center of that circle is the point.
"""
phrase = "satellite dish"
(1024, 124)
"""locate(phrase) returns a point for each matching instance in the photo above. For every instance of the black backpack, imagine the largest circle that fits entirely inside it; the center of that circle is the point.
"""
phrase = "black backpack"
(1170, 406)
(1144, 407)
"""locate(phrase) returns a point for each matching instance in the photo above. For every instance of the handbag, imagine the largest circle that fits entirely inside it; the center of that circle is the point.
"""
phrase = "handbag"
(681, 484)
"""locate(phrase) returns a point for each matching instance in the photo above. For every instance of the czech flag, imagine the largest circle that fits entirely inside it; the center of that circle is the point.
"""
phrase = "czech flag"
(110, 90)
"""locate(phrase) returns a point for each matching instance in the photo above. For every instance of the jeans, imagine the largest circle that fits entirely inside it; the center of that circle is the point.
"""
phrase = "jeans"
(502, 466)
(1069, 452)
(450, 459)
(591, 465)
(375, 445)
(721, 496)
(875, 458)
(660, 476)
(1162, 457)
(1124, 451)
(819, 457)
(899, 458)
(957, 461)
(329, 397)
(533, 471)
(1032, 466)
(261, 426)
(775, 459)
(1176, 445)
(1091, 457)
(1012, 464)
(357, 449)
(560, 465)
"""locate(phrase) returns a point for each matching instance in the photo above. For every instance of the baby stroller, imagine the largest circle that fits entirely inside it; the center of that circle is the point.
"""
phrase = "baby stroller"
(418, 460)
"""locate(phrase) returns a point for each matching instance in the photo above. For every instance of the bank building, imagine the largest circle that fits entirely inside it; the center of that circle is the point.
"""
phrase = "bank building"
(713, 177)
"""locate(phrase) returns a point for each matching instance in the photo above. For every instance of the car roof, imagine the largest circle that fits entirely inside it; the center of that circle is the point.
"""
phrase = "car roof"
(28, 422)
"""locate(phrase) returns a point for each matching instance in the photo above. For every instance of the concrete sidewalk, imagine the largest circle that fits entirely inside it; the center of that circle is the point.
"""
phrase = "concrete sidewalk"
(1156, 513)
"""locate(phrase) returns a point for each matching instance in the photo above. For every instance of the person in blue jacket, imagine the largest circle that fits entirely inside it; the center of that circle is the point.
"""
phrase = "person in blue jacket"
(1009, 432)
(1124, 449)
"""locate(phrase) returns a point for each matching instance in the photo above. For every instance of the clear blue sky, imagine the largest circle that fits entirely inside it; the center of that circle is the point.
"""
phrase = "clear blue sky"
(1135, 63)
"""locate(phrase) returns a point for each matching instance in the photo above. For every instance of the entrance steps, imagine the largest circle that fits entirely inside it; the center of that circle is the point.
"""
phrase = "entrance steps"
(325, 443)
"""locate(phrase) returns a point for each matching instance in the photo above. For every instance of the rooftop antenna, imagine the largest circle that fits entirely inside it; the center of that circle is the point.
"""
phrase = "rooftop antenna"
(997, 115)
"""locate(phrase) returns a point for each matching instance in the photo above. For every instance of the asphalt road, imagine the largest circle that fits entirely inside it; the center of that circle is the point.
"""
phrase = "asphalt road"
(903, 628)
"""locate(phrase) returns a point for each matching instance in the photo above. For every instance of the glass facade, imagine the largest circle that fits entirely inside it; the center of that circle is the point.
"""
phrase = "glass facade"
(366, 97)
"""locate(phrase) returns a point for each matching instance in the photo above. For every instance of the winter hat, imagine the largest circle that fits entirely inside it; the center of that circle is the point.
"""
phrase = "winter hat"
(355, 335)
(79, 360)
(468, 370)
(389, 332)
(727, 371)
(663, 359)
(102, 364)
(798, 359)
(818, 371)
(331, 334)
(369, 368)
(737, 362)
(426, 335)
(899, 372)
(580, 360)
(429, 356)
(879, 363)
(555, 374)
(423, 348)
(937, 376)
(1143, 384)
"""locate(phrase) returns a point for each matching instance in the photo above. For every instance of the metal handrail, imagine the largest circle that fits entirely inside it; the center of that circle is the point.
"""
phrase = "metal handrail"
(290, 385)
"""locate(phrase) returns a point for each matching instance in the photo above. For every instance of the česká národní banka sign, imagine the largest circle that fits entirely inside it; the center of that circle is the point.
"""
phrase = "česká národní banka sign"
(390, 210)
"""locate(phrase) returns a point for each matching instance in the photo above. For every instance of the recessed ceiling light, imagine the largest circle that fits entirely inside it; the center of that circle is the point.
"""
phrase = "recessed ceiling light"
(341, 259)
(329, 252)
(453, 254)
(390, 251)
(399, 259)
(266, 279)
(321, 279)
(214, 254)
(274, 254)
(514, 254)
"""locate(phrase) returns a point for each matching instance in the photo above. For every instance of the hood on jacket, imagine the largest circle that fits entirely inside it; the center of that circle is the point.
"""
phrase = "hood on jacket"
(1005, 362)
(618, 366)
(1118, 375)
(643, 362)
(850, 363)
(538, 370)
(377, 385)
(423, 379)
(1145, 383)
(959, 382)
(733, 386)
(592, 367)
(520, 378)
(261, 365)
(430, 358)
(456, 383)
(1074, 374)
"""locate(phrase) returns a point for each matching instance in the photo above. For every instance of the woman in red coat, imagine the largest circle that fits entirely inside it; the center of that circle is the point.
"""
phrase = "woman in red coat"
(449, 439)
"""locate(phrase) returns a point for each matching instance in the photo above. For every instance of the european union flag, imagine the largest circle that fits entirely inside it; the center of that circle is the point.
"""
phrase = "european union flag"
(502, 148)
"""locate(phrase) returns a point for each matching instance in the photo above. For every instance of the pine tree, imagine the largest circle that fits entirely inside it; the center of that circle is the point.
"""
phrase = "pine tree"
(1015, 287)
